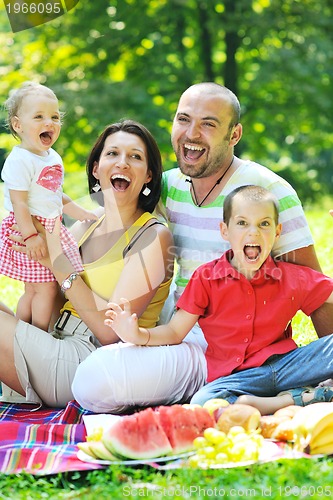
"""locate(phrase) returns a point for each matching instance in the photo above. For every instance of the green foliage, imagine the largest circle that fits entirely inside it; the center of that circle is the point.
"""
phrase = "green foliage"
(136, 57)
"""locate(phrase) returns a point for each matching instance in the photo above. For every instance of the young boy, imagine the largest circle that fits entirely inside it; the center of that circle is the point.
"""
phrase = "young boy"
(244, 303)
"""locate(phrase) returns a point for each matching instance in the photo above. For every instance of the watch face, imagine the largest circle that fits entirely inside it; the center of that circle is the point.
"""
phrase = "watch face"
(66, 284)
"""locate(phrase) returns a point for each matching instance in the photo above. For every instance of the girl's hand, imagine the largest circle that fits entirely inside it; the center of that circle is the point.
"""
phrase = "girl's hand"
(122, 321)
(86, 215)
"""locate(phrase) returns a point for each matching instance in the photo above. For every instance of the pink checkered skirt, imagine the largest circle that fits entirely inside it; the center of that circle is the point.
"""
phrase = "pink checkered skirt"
(16, 265)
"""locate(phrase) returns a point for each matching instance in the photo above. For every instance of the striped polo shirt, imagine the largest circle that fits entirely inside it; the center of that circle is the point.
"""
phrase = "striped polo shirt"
(196, 230)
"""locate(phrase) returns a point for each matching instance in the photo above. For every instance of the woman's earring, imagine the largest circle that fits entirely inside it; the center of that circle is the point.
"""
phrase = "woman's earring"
(146, 191)
(97, 187)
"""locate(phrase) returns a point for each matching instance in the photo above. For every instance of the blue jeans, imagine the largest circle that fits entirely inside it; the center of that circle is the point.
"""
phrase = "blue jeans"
(304, 366)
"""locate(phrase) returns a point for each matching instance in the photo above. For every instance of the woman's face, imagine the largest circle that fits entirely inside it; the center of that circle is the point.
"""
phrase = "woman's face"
(123, 166)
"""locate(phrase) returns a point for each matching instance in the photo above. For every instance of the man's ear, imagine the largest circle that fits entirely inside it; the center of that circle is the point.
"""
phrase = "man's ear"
(224, 231)
(236, 134)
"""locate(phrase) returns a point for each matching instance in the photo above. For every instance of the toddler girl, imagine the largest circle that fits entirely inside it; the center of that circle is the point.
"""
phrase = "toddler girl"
(33, 174)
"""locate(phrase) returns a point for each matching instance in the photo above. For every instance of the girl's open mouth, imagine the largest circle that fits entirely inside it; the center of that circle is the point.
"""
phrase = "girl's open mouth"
(46, 138)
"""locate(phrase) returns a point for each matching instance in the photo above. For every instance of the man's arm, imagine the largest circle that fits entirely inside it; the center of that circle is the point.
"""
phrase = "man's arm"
(322, 318)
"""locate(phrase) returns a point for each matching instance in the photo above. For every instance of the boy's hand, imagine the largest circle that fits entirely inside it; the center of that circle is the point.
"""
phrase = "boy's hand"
(331, 212)
(124, 324)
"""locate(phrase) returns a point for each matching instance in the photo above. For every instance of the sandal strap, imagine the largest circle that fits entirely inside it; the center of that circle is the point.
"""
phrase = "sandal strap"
(297, 394)
(321, 395)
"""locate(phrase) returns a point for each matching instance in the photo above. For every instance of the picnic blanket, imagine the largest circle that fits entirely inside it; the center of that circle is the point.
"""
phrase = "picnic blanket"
(41, 441)
(44, 441)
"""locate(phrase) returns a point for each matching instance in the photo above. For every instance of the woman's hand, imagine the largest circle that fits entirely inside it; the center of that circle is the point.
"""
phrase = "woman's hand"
(52, 244)
(36, 247)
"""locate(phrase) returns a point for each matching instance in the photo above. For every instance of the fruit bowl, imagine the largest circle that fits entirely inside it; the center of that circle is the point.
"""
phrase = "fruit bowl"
(159, 460)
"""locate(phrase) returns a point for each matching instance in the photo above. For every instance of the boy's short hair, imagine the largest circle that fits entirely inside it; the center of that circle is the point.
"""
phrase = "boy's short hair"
(250, 193)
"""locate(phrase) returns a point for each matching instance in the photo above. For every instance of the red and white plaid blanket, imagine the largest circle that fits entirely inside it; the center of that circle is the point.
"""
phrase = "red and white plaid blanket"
(41, 441)
(44, 441)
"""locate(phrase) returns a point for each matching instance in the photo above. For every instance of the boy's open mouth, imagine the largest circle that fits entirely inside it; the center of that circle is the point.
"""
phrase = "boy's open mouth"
(252, 252)
(193, 151)
(120, 182)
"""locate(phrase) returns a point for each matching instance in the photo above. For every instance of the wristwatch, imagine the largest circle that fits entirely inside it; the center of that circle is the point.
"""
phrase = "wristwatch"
(67, 283)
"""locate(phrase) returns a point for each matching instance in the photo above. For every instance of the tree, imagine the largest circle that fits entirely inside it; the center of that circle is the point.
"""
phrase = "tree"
(133, 58)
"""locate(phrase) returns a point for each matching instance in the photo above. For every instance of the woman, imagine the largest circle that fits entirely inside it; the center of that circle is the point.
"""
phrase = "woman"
(126, 251)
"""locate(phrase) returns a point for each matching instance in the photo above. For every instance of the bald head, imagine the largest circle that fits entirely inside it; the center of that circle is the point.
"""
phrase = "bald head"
(214, 89)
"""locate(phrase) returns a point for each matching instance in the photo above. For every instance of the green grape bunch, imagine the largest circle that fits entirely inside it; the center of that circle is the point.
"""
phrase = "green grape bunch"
(216, 447)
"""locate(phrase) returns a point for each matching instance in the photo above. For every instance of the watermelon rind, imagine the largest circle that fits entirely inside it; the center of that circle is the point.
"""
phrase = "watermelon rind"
(137, 436)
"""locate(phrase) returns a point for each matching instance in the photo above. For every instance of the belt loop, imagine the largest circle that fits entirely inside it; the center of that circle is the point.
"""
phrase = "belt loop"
(62, 321)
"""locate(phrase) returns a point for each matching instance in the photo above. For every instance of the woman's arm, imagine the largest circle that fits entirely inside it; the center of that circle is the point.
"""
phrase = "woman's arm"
(147, 265)
(126, 326)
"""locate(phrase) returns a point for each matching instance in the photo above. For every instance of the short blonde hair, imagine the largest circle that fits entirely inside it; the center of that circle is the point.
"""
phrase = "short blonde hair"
(14, 101)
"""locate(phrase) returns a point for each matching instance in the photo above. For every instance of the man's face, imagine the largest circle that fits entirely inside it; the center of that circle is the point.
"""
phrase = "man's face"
(201, 133)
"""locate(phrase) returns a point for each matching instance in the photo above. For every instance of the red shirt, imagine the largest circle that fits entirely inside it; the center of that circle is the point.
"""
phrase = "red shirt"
(247, 321)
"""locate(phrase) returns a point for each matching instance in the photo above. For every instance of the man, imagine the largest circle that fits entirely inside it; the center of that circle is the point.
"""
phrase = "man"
(205, 131)
(206, 128)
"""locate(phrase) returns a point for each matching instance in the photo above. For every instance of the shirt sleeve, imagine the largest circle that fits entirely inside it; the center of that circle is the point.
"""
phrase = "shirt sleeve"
(195, 298)
(17, 173)
(316, 288)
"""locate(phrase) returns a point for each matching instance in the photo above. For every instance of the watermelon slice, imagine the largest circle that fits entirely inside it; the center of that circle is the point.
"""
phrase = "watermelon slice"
(137, 436)
(183, 425)
(204, 419)
(156, 433)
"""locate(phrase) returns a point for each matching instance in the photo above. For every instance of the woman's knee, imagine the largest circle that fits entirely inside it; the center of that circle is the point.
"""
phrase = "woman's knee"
(97, 382)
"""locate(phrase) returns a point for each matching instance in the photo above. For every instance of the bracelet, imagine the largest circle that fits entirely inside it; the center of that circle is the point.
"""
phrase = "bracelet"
(148, 331)
(31, 236)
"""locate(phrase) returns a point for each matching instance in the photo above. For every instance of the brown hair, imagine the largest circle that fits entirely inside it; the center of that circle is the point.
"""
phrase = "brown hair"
(147, 203)
(251, 193)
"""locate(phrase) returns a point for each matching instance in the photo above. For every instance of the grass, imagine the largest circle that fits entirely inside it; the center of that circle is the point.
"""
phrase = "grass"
(302, 478)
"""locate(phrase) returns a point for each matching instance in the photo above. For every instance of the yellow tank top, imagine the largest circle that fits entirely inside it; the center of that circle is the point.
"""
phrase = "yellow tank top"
(103, 274)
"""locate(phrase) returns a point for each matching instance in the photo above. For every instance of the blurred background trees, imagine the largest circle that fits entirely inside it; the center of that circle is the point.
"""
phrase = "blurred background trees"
(110, 59)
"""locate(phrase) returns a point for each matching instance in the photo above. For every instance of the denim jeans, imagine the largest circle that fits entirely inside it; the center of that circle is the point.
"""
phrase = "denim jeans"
(304, 366)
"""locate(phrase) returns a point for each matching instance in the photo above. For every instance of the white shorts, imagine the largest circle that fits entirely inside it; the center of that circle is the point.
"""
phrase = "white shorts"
(118, 377)
(46, 365)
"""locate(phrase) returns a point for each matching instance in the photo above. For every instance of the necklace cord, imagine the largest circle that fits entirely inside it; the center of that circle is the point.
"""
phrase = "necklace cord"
(216, 184)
